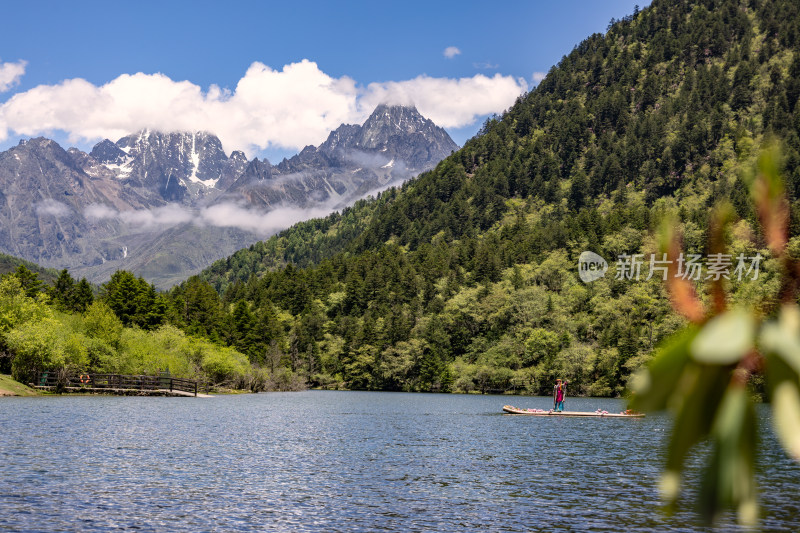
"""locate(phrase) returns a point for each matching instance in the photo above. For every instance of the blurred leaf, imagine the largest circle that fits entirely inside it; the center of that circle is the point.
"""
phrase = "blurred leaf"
(652, 387)
(682, 294)
(721, 218)
(783, 338)
(786, 406)
(670, 485)
(728, 481)
(702, 372)
(783, 382)
(781, 342)
(725, 339)
(701, 389)
(768, 192)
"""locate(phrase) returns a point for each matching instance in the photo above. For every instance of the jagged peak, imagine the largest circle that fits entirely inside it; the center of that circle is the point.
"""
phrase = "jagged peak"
(42, 147)
(144, 136)
(107, 152)
(104, 142)
(41, 143)
(386, 106)
(397, 117)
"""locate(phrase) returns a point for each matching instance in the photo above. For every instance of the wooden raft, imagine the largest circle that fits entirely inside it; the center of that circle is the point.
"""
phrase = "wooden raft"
(541, 412)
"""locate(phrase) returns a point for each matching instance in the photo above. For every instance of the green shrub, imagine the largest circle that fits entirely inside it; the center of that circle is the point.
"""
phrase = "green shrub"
(224, 365)
(37, 345)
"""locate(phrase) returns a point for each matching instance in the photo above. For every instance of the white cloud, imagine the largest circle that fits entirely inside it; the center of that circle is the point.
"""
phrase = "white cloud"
(10, 73)
(53, 208)
(450, 103)
(451, 51)
(226, 215)
(538, 76)
(99, 212)
(157, 217)
(261, 223)
(289, 108)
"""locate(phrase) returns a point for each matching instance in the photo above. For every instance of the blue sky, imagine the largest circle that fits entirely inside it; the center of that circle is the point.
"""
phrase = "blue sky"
(356, 53)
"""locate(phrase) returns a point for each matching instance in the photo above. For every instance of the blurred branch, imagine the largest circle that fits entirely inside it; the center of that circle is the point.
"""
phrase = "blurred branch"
(702, 372)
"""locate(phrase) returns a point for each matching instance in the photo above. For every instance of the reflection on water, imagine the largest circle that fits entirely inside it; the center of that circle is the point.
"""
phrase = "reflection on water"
(349, 461)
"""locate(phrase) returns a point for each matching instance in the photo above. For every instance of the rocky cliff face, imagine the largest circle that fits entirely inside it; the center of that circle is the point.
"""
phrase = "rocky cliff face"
(177, 167)
(398, 133)
(43, 198)
(135, 203)
(394, 144)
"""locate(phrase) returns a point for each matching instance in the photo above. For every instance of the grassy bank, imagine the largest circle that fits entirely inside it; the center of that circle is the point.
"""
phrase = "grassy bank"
(9, 387)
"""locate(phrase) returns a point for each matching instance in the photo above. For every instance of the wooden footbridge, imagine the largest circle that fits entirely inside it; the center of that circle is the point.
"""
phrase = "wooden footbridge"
(161, 385)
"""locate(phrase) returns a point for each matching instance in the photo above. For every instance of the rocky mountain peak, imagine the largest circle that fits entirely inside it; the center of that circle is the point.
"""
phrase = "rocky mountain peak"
(388, 120)
(51, 196)
(173, 144)
(41, 143)
(340, 137)
(393, 144)
(178, 166)
(238, 155)
(46, 151)
(404, 137)
(107, 152)
(396, 132)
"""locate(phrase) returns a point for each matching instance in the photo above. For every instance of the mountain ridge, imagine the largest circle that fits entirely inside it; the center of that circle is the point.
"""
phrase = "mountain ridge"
(465, 277)
(354, 160)
(117, 200)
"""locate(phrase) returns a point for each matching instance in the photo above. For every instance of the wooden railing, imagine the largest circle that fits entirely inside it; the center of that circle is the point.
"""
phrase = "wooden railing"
(119, 383)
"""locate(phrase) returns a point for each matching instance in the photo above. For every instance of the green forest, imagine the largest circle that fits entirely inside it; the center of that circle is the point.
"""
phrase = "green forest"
(64, 327)
(465, 279)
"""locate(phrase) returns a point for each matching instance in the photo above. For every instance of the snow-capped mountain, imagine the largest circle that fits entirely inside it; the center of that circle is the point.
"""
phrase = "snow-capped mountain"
(394, 144)
(179, 166)
(135, 203)
(398, 133)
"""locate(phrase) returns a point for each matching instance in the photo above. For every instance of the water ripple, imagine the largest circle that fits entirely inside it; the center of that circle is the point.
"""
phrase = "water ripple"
(332, 461)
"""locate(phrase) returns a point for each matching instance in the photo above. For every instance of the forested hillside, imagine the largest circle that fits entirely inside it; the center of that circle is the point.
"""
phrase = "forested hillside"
(466, 277)
(9, 263)
(63, 327)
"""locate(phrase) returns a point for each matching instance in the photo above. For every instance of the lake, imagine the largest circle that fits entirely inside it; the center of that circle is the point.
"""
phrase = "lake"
(344, 461)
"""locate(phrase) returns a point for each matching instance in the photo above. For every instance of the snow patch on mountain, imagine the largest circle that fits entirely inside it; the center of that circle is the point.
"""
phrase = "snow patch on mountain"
(121, 170)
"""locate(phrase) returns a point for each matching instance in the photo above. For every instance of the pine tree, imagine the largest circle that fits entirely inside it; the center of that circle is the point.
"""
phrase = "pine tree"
(63, 291)
(29, 280)
(83, 296)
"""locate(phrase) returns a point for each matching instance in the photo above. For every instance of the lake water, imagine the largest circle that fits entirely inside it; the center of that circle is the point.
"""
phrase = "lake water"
(343, 461)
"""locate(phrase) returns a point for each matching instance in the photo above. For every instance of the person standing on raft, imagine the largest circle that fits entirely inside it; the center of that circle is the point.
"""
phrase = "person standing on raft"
(559, 393)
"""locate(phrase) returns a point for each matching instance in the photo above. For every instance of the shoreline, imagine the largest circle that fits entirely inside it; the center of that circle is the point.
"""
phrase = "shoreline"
(9, 387)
